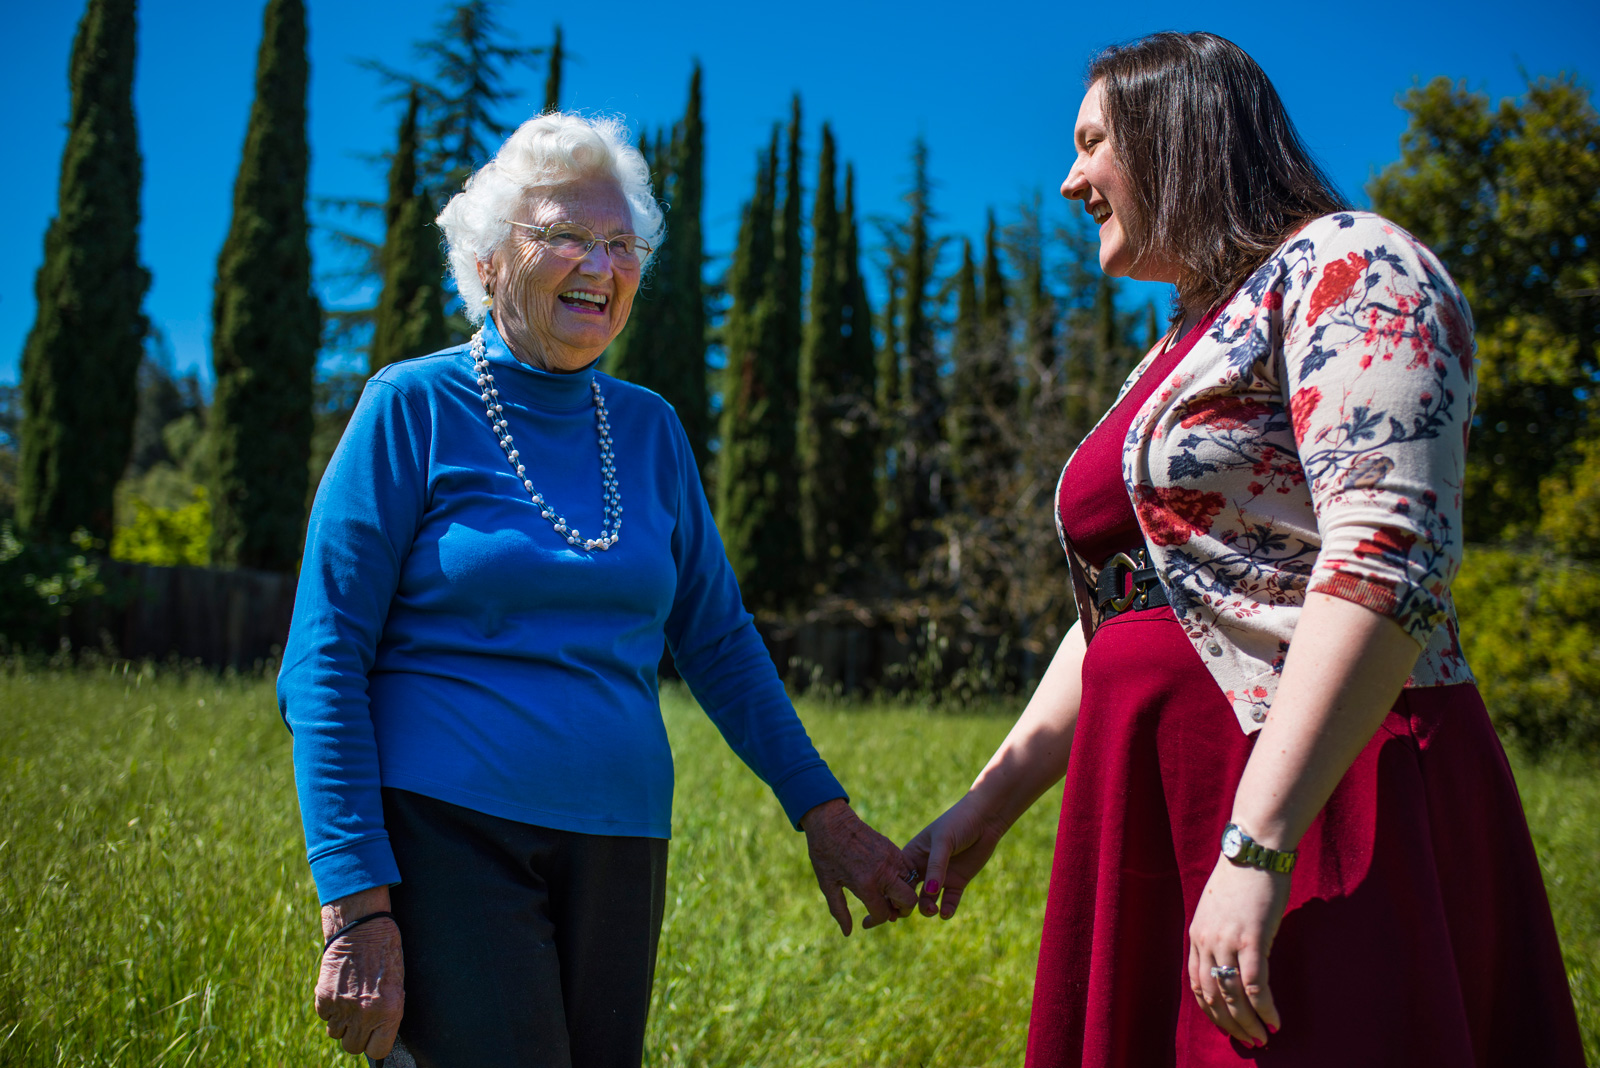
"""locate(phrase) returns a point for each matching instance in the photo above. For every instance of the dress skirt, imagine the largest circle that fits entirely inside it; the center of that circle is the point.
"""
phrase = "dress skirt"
(1417, 932)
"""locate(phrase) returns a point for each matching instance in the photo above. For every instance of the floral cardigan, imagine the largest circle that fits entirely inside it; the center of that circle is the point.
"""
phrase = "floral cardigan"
(1314, 440)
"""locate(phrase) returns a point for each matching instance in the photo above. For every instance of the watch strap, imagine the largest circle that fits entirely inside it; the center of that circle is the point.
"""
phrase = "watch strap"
(1252, 854)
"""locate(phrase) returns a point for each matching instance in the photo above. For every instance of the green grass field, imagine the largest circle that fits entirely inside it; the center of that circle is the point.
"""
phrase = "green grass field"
(155, 907)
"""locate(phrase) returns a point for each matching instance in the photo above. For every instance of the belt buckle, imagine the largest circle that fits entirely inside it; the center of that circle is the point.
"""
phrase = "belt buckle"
(1120, 604)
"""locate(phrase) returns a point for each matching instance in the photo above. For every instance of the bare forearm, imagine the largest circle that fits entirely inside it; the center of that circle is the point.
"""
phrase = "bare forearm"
(1344, 670)
(1034, 755)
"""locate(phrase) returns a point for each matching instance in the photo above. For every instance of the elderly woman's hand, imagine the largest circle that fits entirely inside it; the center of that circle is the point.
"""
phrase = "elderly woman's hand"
(361, 984)
(845, 852)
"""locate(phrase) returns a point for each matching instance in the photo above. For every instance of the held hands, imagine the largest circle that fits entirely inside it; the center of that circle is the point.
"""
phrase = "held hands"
(845, 852)
(951, 850)
(360, 989)
(1234, 925)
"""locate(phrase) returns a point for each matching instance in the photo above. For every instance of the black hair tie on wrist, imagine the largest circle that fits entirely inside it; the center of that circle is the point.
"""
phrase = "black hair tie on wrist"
(352, 925)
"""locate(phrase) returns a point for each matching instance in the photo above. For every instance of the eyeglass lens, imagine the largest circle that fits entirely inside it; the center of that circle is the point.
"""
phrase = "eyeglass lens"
(573, 240)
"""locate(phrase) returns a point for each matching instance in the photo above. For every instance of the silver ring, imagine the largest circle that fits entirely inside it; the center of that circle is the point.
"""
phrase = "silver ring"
(1223, 972)
(911, 877)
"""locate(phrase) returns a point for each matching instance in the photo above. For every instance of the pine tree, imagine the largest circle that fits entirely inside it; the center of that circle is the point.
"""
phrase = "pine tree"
(409, 318)
(471, 84)
(266, 322)
(663, 346)
(80, 363)
(552, 80)
(755, 481)
(457, 131)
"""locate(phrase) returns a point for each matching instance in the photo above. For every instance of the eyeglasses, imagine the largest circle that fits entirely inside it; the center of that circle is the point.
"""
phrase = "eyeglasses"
(573, 241)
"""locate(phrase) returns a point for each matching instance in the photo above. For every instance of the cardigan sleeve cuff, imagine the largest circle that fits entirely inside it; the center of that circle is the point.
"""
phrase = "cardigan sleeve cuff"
(354, 868)
(1419, 616)
(805, 789)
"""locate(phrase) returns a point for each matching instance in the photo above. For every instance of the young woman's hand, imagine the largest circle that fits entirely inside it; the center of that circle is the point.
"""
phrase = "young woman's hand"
(1233, 927)
(950, 851)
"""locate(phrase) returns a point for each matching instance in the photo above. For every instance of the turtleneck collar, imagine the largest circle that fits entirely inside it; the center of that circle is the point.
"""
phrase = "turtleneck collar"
(541, 387)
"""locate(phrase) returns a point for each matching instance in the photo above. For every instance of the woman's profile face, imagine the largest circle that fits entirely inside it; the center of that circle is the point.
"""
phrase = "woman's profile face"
(554, 312)
(1096, 180)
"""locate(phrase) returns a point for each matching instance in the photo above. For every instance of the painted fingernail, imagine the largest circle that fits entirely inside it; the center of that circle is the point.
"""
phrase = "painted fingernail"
(931, 888)
(1270, 1028)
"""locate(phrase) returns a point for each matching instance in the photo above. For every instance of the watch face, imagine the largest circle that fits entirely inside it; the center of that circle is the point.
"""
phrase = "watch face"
(1232, 841)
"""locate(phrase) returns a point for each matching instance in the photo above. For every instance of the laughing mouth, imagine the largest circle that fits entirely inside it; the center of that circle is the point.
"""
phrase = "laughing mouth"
(1100, 215)
(584, 300)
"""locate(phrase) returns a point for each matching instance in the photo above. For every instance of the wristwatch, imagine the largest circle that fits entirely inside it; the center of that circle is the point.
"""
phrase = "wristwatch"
(1246, 852)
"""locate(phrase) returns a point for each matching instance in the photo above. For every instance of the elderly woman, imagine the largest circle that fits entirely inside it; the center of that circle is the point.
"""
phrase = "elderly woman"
(1273, 749)
(470, 678)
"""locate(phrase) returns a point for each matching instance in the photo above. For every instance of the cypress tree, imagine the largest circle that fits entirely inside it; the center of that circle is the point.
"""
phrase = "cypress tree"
(855, 391)
(888, 531)
(966, 405)
(409, 318)
(755, 482)
(682, 277)
(638, 352)
(996, 302)
(266, 322)
(985, 386)
(80, 364)
(552, 79)
(664, 345)
(789, 268)
(821, 358)
(923, 404)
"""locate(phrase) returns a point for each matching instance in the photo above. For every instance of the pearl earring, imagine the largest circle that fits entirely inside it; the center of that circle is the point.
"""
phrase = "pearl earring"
(488, 300)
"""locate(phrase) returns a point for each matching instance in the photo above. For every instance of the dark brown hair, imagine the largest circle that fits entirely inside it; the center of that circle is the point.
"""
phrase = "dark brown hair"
(1219, 174)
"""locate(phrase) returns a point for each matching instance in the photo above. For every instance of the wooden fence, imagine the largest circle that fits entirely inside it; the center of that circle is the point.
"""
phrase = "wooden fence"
(226, 619)
(240, 619)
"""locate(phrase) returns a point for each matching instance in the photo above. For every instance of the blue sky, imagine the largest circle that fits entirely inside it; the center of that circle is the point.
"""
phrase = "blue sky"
(994, 92)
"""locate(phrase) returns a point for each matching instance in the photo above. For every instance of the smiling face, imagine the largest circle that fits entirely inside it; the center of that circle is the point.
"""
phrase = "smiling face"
(1096, 180)
(559, 314)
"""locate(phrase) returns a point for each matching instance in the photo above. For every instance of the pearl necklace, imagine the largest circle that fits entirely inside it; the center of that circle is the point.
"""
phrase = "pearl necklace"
(612, 493)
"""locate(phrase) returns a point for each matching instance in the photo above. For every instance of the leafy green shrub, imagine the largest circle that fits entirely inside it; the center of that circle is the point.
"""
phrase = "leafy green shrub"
(166, 537)
(1530, 626)
(41, 585)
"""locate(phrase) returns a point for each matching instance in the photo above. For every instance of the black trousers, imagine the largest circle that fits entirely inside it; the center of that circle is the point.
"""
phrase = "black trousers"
(523, 945)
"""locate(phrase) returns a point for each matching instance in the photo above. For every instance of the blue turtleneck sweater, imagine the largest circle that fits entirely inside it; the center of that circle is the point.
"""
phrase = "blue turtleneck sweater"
(446, 640)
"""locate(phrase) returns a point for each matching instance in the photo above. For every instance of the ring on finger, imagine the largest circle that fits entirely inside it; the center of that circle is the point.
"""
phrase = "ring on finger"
(911, 877)
(1223, 972)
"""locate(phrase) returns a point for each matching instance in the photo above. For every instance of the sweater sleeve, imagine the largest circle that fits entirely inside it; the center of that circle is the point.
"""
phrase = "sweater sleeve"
(1379, 382)
(366, 513)
(722, 658)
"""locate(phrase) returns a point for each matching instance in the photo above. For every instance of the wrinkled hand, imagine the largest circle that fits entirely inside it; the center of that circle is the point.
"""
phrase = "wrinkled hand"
(360, 989)
(1234, 925)
(845, 852)
(951, 851)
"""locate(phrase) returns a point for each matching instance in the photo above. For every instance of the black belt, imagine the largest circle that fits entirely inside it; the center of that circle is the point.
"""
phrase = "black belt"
(1112, 597)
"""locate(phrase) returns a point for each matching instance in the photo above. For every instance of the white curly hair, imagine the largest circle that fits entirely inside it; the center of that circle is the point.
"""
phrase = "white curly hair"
(546, 152)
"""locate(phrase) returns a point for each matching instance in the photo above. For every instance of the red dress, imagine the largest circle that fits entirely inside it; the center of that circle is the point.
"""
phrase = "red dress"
(1417, 933)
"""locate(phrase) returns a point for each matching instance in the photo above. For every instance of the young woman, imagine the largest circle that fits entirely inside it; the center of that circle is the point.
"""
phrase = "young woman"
(1289, 831)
